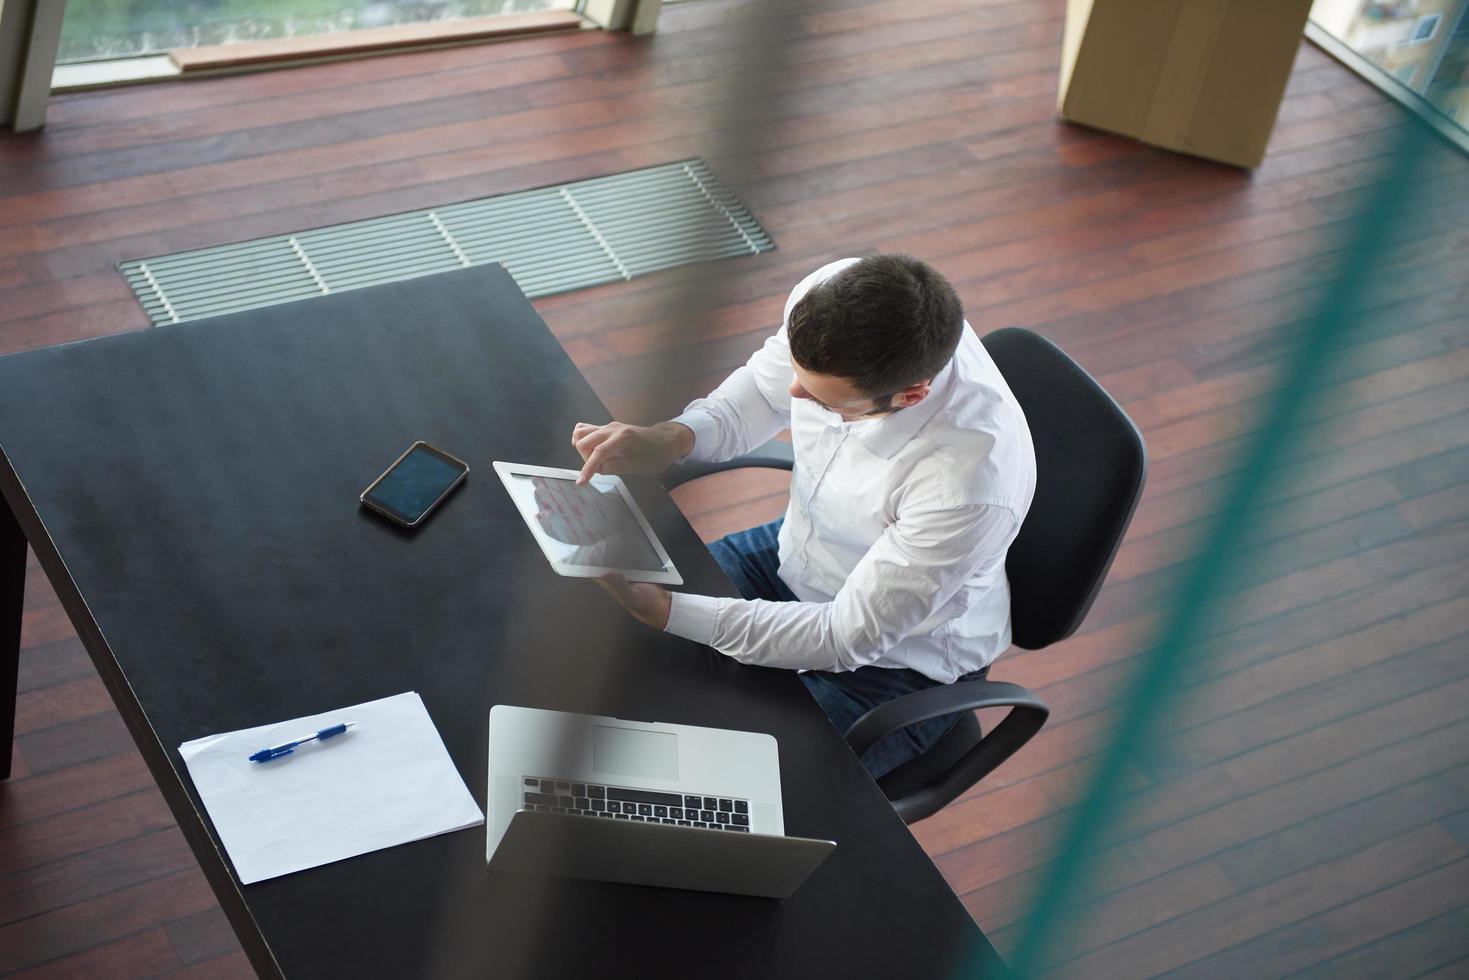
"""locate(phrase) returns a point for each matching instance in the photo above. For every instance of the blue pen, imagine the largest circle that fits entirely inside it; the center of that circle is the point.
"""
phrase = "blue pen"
(265, 755)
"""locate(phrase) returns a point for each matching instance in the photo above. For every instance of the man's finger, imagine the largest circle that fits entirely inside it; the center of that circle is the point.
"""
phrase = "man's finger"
(616, 586)
(583, 429)
(590, 440)
(593, 464)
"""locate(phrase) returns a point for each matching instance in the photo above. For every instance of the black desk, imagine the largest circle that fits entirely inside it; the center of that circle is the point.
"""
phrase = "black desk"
(191, 492)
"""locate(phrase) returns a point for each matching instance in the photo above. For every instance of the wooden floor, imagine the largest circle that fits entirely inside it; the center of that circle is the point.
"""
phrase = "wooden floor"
(1308, 809)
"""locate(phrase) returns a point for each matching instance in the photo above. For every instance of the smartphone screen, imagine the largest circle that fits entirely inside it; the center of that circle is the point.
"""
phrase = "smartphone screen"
(415, 484)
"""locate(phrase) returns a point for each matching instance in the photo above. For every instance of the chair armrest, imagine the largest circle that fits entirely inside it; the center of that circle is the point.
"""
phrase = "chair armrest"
(774, 455)
(1027, 714)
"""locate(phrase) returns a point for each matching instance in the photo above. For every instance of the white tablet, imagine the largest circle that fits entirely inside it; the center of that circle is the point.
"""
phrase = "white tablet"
(586, 531)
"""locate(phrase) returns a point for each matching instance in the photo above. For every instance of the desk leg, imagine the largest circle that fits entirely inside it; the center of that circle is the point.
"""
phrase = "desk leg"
(12, 601)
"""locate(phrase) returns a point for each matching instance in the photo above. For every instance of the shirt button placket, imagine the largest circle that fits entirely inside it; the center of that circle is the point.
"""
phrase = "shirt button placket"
(826, 465)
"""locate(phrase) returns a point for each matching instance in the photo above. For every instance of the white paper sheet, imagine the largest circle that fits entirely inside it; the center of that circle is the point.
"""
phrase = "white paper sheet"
(388, 780)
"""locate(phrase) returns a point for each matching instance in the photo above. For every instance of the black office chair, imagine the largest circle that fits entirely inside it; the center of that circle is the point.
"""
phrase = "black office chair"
(1090, 466)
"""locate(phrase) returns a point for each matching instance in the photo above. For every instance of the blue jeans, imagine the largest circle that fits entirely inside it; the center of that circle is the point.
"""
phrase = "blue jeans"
(751, 560)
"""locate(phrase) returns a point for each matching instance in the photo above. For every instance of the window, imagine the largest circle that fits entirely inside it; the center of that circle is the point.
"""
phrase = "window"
(103, 29)
(1426, 27)
(1430, 73)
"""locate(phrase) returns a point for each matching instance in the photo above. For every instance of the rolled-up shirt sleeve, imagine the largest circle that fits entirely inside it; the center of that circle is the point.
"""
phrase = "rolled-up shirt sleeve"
(914, 568)
(754, 403)
(751, 406)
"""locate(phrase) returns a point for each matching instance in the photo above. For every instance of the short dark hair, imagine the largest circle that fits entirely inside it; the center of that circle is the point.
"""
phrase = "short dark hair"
(883, 323)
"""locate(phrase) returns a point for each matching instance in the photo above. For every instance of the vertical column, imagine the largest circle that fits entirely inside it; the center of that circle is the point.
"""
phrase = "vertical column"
(12, 600)
(30, 35)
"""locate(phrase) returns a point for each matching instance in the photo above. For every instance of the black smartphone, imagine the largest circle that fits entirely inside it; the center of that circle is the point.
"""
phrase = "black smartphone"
(415, 484)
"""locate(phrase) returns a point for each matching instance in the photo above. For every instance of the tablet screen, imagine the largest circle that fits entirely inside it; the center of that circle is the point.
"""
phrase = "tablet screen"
(587, 525)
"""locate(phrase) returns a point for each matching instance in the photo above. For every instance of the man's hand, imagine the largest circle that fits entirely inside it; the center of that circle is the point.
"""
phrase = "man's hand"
(648, 603)
(620, 448)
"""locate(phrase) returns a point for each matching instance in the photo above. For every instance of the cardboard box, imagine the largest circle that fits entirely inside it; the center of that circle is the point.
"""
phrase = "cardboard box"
(1200, 76)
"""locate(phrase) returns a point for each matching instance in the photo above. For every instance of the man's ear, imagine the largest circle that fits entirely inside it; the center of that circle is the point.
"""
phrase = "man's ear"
(913, 394)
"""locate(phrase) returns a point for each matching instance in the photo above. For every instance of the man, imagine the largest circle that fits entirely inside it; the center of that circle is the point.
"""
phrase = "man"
(914, 471)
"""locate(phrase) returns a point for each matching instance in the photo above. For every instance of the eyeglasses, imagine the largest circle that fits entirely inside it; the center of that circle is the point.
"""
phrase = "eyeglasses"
(885, 407)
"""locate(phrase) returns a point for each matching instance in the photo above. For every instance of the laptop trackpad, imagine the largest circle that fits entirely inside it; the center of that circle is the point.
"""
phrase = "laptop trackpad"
(630, 752)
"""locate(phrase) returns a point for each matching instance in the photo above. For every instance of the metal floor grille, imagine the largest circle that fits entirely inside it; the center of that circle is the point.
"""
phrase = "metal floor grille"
(550, 240)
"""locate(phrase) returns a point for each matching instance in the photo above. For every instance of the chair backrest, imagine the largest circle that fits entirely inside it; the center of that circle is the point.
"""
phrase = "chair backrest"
(1090, 465)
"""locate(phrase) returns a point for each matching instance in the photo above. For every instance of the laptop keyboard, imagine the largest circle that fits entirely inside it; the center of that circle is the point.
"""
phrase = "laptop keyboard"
(647, 806)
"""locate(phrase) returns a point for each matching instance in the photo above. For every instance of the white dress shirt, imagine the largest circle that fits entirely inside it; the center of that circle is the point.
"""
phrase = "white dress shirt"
(898, 525)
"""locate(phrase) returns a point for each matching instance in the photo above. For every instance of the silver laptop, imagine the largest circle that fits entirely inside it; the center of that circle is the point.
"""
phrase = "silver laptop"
(675, 806)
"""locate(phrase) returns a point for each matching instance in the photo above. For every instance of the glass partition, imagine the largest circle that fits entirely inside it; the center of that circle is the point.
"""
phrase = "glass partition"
(96, 30)
(1409, 47)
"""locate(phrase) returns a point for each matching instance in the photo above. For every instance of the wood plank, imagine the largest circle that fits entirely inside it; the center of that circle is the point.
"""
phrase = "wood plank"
(1237, 821)
(1193, 793)
(1180, 941)
(12, 275)
(1342, 831)
(162, 176)
(1439, 941)
(47, 624)
(202, 936)
(52, 663)
(58, 703)
(1252, 671)
(1350, 698)
(1169, 545)
(38, 591)
(1432, 510)
(1178, 510)
(1139, 187)
(1403, 357)
(1331, 933)
(724, 355)
(1316, 628)
(1146, 905)
(1348, 830)
(233, 966)
(149, 247)
(1207, 466)
(1013, 224)
(42, 796)
(143, 954)
(1452, 970)
(1458, 824)
(1263, 736)
(96, 921)
(83, 829)
(85, 874)
(85, 740)
(1331, 570)
(1061, 754)
(1245, 867)
(1263, 634)
(1287, 802)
